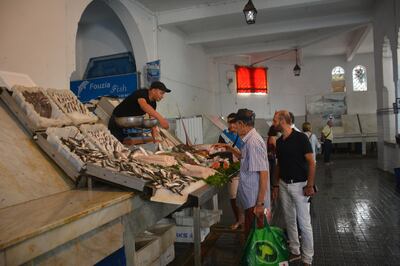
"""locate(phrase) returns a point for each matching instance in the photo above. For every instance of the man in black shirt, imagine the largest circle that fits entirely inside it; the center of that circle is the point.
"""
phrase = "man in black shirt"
(139, 103)
(294, 180)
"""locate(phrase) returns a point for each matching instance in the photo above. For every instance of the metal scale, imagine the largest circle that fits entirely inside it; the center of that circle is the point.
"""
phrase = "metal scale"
(137, 128)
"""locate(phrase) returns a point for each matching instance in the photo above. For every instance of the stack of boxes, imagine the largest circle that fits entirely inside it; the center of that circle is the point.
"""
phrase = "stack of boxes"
(155, 246)
(184, 223)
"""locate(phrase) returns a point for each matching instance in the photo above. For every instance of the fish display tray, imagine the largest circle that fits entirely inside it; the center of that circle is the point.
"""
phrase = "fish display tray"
(74, 167)
(57, 117)
(119, 178)
(18, 112)
(64, 98)
(100, 128)
(54, 136)
(58, 158)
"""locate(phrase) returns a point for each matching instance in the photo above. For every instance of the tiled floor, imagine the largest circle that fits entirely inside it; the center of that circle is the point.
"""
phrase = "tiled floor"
(355, 216)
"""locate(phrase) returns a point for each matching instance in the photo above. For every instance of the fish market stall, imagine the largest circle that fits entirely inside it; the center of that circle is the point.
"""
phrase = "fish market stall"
(55, 217)
(41, 211)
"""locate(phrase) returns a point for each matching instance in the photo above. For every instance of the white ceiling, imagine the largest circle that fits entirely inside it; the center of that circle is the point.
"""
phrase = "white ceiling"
(164, 5)
(316, 27)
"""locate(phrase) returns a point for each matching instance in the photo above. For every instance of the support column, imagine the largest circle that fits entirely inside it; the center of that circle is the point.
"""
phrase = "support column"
(196, 236)
(215, 202)
(364, 146)
(129, 241)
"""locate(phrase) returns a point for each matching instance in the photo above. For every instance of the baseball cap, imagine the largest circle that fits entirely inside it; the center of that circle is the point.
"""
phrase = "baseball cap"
(159, 85)
(231, 118)
(245, 115)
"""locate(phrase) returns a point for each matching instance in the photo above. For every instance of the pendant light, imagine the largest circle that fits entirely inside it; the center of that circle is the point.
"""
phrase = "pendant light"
(250, 13)
(296, 69)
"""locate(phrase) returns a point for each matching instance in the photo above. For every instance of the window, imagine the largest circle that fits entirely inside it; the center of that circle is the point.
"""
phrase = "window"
(359, 78)
(338, 80)
(251, 79)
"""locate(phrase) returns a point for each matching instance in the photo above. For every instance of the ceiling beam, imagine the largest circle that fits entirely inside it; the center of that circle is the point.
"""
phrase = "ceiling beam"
(279, 27)
(356, 41)
(178, 16)
(305, 41)
(251, 48)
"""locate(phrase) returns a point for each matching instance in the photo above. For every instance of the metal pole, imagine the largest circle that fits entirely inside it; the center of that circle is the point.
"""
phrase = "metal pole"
(215, 202)
(138, 80)
(129, 241)
(196, 236)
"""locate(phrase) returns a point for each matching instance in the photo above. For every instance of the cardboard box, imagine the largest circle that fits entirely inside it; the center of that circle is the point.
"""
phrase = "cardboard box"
(207, 217)
(166, 233)
(147, 250)
(184, 234)
(167, 257)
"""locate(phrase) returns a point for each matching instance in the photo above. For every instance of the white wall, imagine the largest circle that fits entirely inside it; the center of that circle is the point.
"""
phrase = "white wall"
(39, 38)
(288, 91)
(184, 69)
(33, 40)
(387, 19)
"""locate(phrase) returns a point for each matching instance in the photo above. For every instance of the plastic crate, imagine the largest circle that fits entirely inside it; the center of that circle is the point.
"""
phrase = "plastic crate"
(167, 257)
(166, 233)
(184, 234)
(207, 217)
(147, 250)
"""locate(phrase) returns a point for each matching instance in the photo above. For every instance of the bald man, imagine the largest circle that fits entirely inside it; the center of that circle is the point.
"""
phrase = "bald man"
(294, 182)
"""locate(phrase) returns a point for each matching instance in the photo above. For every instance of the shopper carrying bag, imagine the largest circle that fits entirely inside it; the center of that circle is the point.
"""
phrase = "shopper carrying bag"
(265, 246)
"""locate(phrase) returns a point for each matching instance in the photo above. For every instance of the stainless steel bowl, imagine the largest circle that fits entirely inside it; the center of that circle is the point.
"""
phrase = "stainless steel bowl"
(129, 121)
(149, 123)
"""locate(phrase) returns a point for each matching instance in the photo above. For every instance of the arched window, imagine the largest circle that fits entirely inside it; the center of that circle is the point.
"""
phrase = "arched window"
(359, 78)
(338, 81)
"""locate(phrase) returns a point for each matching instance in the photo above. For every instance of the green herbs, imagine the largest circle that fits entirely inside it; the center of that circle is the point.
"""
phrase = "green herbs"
(223, 176)
(232, 169)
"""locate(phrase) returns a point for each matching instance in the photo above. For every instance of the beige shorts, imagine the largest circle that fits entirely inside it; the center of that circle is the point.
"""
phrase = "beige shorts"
(233, 187)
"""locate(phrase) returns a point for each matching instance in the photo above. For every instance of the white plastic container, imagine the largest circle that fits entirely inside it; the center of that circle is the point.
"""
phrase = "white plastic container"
(147, 250)
(184, 234)
(207, 217)
(166, 233)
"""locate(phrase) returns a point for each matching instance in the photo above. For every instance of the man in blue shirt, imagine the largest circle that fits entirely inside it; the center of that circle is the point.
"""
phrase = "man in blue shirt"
(231, 138)
(229, 135)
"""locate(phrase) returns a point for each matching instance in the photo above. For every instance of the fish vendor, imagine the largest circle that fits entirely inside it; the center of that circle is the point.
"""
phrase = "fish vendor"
(140, 103)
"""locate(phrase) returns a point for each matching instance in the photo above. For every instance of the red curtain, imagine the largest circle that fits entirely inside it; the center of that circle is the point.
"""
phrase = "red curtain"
(251, 79)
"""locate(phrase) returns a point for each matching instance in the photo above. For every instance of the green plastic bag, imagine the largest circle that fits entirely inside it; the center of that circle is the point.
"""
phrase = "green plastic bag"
(265, 246)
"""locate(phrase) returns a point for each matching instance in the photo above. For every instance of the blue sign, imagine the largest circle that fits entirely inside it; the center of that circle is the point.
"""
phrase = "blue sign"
(116, 86)
(153, 71)
(232, 138)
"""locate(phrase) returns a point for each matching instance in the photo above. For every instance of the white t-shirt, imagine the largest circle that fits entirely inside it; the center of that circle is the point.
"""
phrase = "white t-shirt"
(295, 128)
(314, 143)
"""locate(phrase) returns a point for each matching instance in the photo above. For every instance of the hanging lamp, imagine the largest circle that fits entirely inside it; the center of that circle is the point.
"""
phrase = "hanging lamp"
(296, 69)
(250, 13)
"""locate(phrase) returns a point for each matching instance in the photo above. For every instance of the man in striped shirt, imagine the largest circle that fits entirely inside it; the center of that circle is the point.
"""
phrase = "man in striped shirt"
(253, 191)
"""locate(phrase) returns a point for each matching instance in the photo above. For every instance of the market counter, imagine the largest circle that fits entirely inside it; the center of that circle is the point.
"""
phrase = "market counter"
(33, 228)
(54, 228)
(44, 220)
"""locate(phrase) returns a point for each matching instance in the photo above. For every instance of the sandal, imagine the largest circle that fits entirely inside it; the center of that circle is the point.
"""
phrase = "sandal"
(236, 225)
